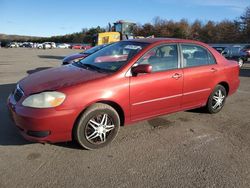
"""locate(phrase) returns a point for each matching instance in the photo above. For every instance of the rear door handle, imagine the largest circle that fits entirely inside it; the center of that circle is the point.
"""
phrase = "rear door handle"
(213, 69)
(176, 76)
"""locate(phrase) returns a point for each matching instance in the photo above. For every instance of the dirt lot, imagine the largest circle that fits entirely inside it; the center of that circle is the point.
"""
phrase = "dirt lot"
(186, 149)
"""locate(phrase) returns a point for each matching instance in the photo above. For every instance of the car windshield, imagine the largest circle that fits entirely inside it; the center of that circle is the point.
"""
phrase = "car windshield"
(94, 49)
(113, 57)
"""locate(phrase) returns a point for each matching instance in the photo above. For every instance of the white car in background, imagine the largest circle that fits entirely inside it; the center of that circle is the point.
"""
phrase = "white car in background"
(63, 45)
(49, 45)
(39, 45)
(13, 45)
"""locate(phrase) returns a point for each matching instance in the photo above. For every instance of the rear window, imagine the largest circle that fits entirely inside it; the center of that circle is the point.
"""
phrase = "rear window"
(194, 55)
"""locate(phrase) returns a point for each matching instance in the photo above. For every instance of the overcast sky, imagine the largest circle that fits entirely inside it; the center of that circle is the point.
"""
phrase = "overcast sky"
(57, 17)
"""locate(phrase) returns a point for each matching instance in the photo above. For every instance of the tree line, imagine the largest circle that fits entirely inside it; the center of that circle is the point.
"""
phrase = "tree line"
(226, 31)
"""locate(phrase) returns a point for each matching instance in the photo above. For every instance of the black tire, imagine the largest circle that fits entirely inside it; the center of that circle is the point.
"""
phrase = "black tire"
(83, 129)
(211, 103)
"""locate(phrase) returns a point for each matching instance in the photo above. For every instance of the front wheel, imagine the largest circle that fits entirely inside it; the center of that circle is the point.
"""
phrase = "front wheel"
(97, 127)
(217, 99)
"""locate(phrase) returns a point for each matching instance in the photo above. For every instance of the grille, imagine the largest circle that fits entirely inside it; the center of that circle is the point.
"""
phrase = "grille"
(18, 93)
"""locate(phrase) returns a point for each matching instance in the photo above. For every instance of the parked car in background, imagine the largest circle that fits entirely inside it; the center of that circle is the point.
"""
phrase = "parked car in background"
(125, 82)
(27, 45)
(20, 44)
(86, 47)
(233, 53)
(13, 45)
(80, 46)
(63, 45)
(219, 48)
(245, 53)
(76, 46)
(49, 45)
(39, 45)
(46, 45)
(76, 57)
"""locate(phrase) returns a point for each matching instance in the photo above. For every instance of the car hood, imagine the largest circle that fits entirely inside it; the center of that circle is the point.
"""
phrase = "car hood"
(56, 78)
(74, 56)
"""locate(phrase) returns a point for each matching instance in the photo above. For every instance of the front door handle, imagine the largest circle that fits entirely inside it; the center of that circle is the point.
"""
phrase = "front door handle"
(213, 69)
(176, 76)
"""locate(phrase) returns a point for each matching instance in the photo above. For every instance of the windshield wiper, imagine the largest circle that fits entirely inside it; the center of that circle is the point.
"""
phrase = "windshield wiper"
(79, 64)
(93, 67)
(85, 53)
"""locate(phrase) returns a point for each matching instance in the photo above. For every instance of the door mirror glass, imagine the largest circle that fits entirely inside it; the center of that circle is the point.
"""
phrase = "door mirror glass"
(140, 69)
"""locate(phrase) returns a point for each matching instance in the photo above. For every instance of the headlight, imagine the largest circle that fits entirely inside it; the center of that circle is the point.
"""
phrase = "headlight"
(45, 100)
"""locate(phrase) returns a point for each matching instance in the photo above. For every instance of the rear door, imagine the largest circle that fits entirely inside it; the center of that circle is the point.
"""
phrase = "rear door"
(200, 72)
(158, 92)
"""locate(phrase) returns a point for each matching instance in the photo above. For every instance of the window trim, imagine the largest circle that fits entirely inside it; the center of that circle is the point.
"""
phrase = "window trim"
(194, 44)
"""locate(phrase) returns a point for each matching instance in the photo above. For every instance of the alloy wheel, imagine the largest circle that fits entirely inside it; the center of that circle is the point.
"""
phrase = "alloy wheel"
(218, 99)
(99, 128)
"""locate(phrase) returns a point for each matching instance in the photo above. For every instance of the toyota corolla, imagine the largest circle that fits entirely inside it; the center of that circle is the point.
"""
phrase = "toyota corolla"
(120, 84)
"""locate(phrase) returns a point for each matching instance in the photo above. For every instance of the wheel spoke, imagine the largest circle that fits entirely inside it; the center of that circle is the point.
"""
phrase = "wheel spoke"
(215, 98)
(93, 124)
(109, 127)
(103, 137)
(220, 94)
(93, 135)
(104, 119)
(216, 105)
(100, 135)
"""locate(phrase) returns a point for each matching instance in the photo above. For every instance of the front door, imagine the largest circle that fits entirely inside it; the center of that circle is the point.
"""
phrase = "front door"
(158, 92)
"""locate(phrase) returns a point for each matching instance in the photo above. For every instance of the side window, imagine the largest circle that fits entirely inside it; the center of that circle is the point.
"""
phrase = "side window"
(194, 55)
(211, 59)
(161, 58)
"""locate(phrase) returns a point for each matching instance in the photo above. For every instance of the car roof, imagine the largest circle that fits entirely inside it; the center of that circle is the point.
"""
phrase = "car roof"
(159, 40)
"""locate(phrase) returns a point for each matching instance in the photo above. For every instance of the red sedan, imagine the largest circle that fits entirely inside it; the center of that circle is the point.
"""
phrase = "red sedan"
(123, 83)
(80, 47)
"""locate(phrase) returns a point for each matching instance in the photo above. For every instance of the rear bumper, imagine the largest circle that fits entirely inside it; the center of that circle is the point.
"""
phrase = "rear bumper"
(42, 125)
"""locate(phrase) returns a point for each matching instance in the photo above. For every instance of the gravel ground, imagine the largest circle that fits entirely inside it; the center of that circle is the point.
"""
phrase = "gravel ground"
(185, 149)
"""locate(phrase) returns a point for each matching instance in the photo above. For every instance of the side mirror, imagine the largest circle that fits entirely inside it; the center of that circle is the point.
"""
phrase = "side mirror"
(140, 69)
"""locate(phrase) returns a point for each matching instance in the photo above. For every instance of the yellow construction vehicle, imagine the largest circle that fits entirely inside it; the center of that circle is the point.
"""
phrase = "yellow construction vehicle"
(122, 30)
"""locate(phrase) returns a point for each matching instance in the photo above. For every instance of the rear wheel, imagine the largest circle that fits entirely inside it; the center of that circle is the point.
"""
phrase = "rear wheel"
(97, 127)
(217, 99)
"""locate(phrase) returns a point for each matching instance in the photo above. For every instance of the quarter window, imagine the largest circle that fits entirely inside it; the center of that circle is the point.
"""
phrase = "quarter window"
(161, 58)
(194, 55)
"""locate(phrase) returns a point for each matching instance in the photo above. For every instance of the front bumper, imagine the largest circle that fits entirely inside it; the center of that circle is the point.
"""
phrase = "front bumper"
(42, 125)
